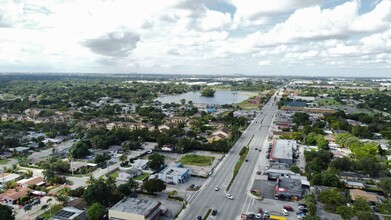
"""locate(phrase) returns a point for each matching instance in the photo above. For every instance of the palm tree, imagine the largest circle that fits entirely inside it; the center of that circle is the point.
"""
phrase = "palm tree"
(91, 179)
(123, 158)
(62, 195)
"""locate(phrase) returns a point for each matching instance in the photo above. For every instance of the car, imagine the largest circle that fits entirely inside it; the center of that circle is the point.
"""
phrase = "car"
(192, 186)
(376, 209)
(302, 204)
(214, 212)
(266, 214)
(229, 196)
(258, 216)
(246, 160)
(259, 172)
(301, 207)
(199, 218)
(217, 188)
(36, 202)
(288, 207)
(284, 212)
(256, 148)
(149, 151)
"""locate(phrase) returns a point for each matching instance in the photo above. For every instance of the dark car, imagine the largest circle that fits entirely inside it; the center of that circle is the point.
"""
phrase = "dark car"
(199, 217)
(256, 148)
(376, 209)
(246, 160)
(288, 207)
(214, 212)
(259, 172)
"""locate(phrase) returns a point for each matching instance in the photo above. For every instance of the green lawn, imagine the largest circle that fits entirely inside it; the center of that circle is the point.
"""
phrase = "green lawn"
(141, 177)
(3, 161)
(114, 175)
(197, 160)
(54, 209)
(325, 102)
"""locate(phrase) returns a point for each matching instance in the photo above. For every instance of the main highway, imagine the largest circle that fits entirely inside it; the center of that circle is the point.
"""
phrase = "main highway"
(206, 198)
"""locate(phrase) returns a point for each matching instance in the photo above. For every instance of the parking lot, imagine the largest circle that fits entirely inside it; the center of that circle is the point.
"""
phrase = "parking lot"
(273, 206)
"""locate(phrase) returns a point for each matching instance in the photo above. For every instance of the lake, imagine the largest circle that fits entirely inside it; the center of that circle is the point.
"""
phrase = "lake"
(221, 97)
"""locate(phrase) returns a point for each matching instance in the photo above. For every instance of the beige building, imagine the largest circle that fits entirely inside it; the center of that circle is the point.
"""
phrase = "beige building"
(135, 209)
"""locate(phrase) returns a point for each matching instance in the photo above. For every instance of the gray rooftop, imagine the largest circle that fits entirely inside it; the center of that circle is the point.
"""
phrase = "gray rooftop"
(174, 171)
(283, 149)
(289, 184)
(134, 205)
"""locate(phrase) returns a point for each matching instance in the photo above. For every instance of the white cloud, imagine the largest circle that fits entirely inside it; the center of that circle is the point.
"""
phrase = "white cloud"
(191, 36)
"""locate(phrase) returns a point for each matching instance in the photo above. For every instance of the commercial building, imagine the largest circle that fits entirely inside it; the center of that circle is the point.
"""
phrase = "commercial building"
(135, 209)
(288, 188)
(70, 213)
(174, 175)
(282, 151)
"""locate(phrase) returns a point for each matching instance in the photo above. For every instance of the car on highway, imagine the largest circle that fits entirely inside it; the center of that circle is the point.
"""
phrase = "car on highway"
(214, 212)
(284, 212)
(256, 148)
(217, 188)
(246, 160)
(259, 172)
(229, 196)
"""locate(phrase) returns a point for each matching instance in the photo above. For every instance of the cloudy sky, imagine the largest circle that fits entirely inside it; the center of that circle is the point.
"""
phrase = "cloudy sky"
(290, 37)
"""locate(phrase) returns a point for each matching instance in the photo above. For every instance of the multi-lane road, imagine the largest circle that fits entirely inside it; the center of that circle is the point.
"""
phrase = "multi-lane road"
(255, 136)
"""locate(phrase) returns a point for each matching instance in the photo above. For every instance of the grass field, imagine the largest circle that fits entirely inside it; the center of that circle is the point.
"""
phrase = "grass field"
(3, 161)
(196, 160)
(54, 209)
(325, 102)
(114, 175)
(142, 176)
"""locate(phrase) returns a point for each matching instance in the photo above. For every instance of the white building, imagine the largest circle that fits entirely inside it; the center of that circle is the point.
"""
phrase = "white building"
(125, 175)
(140, 164)
(174, 175)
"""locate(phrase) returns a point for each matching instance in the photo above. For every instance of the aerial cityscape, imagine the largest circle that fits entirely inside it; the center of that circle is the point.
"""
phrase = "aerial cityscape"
(195, 110)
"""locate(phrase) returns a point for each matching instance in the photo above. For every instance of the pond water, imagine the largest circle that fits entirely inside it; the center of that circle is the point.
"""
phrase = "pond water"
(221, 97)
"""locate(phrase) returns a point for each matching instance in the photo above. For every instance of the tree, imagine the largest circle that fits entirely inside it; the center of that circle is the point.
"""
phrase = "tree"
(342, 164)
(301, 118)
(128, 187)
(331, 198)
(295, 169)
(6, 212)
(385, 185)
(154, 185)
(63, 195)
(183, 101)
(95, 211)
(103, 192)
(345, 212)
(362, 209)
(80, 149)
(156, 161)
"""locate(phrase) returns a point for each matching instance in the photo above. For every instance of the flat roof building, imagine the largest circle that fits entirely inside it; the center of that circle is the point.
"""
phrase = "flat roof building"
(135, 209)
(287, 188)
(70, 213)
(7, 177)
(174, 175)
(282, 151)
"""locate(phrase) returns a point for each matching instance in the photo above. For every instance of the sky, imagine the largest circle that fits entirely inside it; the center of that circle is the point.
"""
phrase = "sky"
(211, 37)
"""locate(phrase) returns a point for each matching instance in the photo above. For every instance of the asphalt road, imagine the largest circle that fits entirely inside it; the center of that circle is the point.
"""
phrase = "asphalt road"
(207, 198)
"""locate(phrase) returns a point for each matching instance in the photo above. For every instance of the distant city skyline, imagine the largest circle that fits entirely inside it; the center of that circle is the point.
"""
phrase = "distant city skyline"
(280, 37)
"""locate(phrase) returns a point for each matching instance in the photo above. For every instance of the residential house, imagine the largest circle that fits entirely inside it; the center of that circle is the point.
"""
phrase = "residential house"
(133, 208)
(37, 180)
(8, 177)
(140, 164)
(126, 174)
(354, 184)
(12, 195)
(357, 193)
(176, 120)
(165, 127)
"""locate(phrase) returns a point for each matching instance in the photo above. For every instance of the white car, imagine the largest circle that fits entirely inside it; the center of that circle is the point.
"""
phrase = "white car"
(284, 212)
(258, 216)
(229, 196)
(217, 188)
